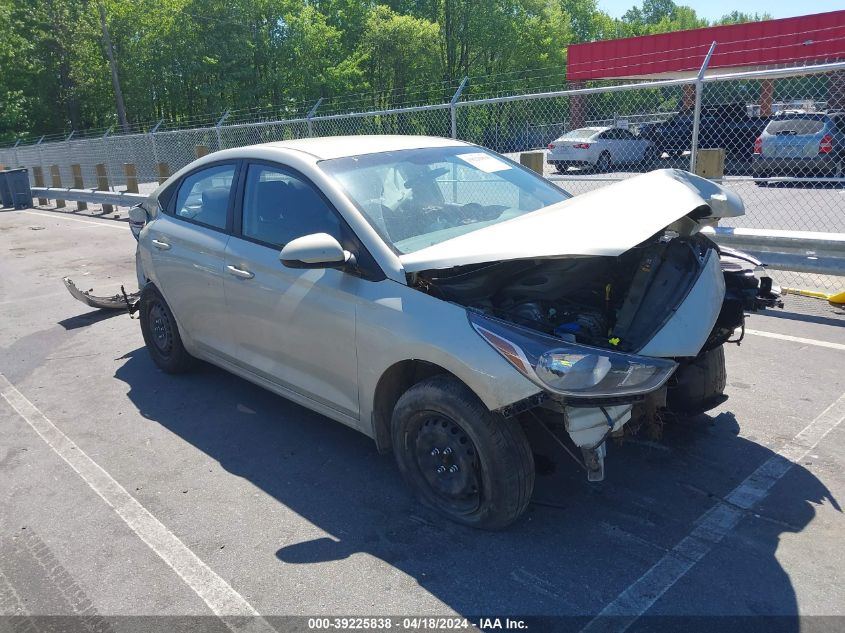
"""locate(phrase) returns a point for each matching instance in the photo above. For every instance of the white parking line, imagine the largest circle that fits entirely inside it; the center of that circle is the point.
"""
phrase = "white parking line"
(711, 527)
(797, 339)
(233, 609)
(105, 223)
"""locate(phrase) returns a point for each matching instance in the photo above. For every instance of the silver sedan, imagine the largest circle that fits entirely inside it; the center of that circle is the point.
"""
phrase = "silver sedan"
(438, 297)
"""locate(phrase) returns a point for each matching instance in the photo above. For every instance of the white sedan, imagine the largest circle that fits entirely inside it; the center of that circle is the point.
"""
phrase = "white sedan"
(599, 148)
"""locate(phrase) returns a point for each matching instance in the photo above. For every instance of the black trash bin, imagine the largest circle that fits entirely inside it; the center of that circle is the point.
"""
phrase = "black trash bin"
(14, 188)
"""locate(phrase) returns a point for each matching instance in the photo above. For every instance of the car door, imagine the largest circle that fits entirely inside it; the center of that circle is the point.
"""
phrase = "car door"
(615, 146)
(631, 148)
(187, 245)
(603, 143)
(293, 327)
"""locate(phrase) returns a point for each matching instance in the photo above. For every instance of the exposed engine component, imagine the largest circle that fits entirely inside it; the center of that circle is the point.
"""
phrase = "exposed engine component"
(600, 301)
(617, 302)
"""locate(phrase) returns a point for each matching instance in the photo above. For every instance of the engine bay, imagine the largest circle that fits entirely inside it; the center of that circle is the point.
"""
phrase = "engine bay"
(608, 302)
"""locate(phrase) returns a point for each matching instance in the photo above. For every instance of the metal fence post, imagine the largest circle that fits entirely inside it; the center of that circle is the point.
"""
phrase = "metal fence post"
(40, 155)
(153, 140)
(15, 152)
(453, 106)
(696, 117)
(217, 129)
(310, 116)
(108, 158)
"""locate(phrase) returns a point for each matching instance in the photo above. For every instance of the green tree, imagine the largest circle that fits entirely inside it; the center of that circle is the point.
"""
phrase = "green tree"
(395, 52)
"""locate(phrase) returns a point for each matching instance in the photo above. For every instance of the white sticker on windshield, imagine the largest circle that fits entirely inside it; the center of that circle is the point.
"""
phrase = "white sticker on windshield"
(484, 162)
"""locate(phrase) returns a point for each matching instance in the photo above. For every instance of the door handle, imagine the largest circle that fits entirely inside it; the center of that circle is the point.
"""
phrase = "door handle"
(162, 246)
(239, 272)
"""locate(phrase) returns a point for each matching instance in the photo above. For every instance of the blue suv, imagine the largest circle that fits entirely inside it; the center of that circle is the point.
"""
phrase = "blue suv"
(802, 145)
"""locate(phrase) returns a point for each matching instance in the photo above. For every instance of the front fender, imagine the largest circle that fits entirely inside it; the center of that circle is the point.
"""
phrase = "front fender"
(397, 323)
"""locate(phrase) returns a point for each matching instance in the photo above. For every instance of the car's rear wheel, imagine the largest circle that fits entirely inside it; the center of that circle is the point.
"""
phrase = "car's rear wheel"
(604, 162)
(161, 334)
(471, 465)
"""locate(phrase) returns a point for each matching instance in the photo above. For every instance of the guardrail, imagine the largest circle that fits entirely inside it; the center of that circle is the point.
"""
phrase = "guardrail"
(94, 196)
(796, 251)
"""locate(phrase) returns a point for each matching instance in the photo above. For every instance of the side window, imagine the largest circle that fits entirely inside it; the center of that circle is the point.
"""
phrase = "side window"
(605, 136)
(279, 207)
(166, 196)
(204, 195)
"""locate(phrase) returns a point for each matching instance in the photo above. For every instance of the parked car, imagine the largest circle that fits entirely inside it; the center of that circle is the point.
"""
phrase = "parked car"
(801, 145)
(437, 296)
(599, 148)
(727, 126)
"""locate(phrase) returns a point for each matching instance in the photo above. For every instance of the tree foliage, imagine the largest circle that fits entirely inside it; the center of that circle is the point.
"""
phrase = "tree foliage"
(184, 59)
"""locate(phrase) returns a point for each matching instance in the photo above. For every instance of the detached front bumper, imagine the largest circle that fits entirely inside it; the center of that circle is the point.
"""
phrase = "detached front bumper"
(121, 301)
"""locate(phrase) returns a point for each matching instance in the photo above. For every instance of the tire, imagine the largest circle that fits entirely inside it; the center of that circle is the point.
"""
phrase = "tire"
(161, 334)
(603, 163)
(700, 385)
(439, 425)
(650, 157)
(561, 168)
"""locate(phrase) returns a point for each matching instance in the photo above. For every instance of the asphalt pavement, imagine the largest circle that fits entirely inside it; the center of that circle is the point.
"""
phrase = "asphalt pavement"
(127, 493)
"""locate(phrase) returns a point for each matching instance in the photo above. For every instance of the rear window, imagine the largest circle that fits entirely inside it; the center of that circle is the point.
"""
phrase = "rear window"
(584, 132)
(795, 127)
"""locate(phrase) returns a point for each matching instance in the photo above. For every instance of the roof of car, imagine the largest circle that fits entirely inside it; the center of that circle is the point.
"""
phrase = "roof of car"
(326, 147)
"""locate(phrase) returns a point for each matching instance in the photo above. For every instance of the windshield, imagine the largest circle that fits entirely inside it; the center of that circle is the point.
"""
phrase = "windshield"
(420, 197)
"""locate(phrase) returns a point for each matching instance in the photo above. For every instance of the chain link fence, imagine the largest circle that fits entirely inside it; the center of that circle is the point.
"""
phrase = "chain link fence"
(778, 139)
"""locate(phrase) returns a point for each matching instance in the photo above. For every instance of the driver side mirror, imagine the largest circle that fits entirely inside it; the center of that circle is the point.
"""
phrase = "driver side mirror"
(318, 250)
(137, 219)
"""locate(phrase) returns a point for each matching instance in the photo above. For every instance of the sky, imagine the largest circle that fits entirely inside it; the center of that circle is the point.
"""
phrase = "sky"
(712, 9)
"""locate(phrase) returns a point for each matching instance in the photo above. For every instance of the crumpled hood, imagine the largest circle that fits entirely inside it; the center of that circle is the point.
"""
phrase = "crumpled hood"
(607, 221)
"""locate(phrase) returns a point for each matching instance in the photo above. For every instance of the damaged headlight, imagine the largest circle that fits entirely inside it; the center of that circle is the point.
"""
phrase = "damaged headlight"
(571, 369)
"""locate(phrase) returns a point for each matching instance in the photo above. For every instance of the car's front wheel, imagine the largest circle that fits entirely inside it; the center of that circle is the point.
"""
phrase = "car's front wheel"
(472, 465)
(161, 334)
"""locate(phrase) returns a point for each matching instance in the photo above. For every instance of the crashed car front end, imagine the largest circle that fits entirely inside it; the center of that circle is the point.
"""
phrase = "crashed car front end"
(615, 336)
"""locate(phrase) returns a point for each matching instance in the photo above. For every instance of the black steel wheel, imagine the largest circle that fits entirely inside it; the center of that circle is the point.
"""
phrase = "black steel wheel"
(161, 333)
(161, 328)
(447, 460)
(470, 464)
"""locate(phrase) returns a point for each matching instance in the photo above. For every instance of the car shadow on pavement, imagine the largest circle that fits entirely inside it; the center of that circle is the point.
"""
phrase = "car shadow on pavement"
(578, 546)
(835, 320)
(89, 318)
